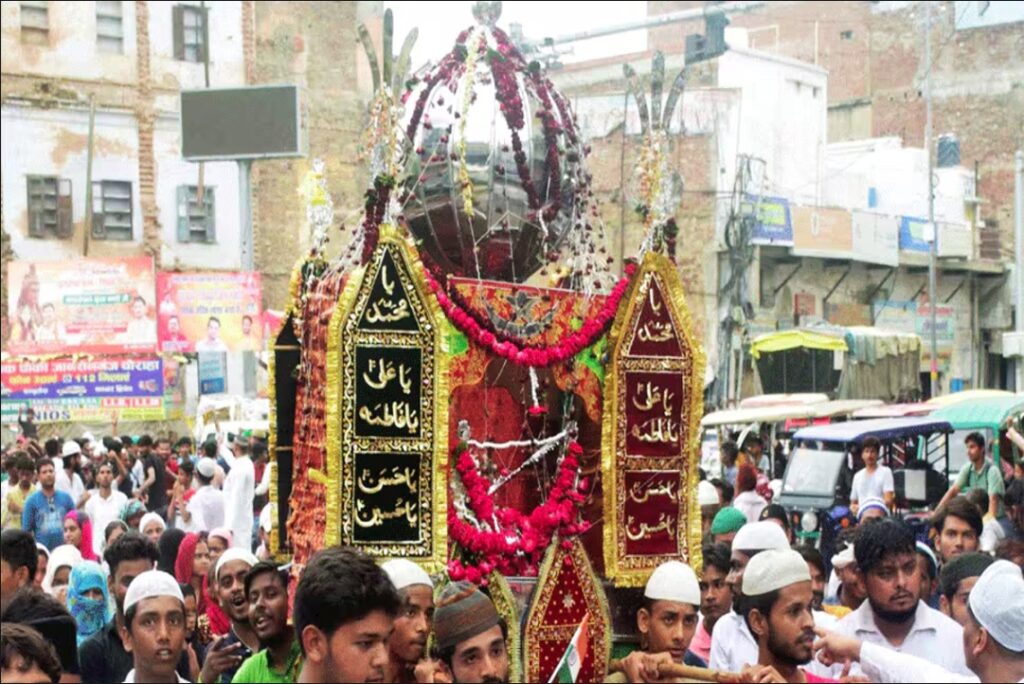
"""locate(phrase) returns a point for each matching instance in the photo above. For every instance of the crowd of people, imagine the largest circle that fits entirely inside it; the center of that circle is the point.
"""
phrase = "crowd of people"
(141, 560)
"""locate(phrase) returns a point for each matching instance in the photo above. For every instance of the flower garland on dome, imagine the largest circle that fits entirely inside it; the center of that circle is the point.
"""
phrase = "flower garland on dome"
(512, 543)
(485, 336)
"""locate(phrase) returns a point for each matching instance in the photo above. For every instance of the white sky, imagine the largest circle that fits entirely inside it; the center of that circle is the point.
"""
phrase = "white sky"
(440, 22)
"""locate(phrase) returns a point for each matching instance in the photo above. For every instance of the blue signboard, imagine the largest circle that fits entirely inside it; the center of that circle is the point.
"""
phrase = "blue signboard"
(212, 369)
(774, 225)
(913, 233)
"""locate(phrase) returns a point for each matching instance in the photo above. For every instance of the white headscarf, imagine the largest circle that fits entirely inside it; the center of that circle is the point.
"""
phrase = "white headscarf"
(62, 556)
(150, 517)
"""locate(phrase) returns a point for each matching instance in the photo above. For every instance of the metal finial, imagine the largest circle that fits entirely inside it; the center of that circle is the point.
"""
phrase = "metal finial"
(487, 13)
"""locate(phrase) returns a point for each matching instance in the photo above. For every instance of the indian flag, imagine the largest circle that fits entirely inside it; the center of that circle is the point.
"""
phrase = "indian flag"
(569, 666)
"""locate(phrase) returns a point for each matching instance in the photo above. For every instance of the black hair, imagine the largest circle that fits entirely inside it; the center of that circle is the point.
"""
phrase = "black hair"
(184, 441)
(964, 566)
(18, 549)
(762, 602)
(113, 444)
(130, 546)
(729, 451)
(113, 525)
(187, 467)
(247, 317)
(811, 555)
(145, 441)
(139, 298)
(979, 497)
(958, 507)
(728, 491)
(210, 449)
(212, 319)
(262, 568)
(25, 642)
(52, 447)
(776, 512)
(23, 461)
(45, 614)
(977, 438)
(340, 585)
(718, 557)
(871, 443)
(259, 448)
(446, 654)
(885, 537)
(187, 590)
(753, 438)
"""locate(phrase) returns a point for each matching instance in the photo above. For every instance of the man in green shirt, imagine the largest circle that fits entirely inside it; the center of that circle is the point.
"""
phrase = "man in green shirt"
(21, 488)
(979, 473)
(280, 658)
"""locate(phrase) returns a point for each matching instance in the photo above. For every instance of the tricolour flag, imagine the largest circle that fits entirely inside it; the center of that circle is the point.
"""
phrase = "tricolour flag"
(575, 653)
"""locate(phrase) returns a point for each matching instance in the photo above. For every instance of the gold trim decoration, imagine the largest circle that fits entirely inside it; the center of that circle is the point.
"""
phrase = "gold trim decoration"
(562, 570)
(414, 329)
(505, 603)
(683, 367)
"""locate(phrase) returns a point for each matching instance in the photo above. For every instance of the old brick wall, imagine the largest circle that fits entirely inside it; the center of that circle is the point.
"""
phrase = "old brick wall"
(314, 45)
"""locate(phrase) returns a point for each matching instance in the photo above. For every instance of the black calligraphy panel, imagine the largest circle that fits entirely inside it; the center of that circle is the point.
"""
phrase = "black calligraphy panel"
(388, 308)
(387, 497)
(388, 390)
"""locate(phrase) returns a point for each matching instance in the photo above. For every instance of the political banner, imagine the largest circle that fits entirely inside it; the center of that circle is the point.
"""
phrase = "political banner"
(85, 389)
(90, 306)
(210, 312)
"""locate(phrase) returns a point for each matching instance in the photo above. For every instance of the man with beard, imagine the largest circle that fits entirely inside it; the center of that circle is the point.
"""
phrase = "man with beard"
(993, 643)
(280, 660)
(957, 579)
(893, 615)
(470, 636)
(777, 607)
(154, 628)
(666, 622)
(715, 597)
(408, 643)
(344, 609)
(226, 654)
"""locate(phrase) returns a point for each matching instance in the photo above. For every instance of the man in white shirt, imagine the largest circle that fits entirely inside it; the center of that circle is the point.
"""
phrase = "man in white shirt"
(103, 505)
(205, 511)
(239, 489)
(68, 480)
(893, 616)
(873, 481)
(212, 341)
(993, 643)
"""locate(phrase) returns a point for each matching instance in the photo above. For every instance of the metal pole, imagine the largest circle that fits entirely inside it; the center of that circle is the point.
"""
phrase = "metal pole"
(245, 213)
(933, 251)
(1018, 223)
(88, 176)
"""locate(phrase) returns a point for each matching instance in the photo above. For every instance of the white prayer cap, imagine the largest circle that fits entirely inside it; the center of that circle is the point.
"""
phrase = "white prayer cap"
(206, 467)
(151, 584)
(404, 573)
(151, 517)
(869, 503)
(88, 437)
(71, 448)
(844, 559)
(760, 536)
(997, 601)
(673, 581)
(772, 570)
(267, 517)
(234, 554)
(707, 494)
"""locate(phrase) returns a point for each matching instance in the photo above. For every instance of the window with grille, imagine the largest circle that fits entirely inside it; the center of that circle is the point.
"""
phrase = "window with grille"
(191, 33)
(35, 22)
(110, 27)
(196, 219)
(112, 210)
(49, 207)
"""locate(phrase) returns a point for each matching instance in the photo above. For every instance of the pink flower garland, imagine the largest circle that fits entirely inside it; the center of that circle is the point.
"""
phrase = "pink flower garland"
(535, 357)
(518, 547)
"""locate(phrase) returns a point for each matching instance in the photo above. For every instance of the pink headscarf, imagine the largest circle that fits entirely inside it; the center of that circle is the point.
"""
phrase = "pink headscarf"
(85, 546)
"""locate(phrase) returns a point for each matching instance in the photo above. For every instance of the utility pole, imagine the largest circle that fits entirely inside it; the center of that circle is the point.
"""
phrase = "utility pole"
(88, 176)
(934, 244)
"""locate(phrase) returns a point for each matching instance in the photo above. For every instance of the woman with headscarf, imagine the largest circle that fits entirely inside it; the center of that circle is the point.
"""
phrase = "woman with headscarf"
(192, 565)
(42, 560)
(152, 525)
(58, 570)
(218, 541)
(170, 542)
(132, 513)
(87, 600)
(78, 533)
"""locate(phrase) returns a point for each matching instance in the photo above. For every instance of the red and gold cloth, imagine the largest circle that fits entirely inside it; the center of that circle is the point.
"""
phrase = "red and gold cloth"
(650, 443)
(567, 590)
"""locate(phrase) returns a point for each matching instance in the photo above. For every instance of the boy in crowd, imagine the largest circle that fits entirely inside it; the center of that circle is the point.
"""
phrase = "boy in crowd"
(280, 659)
(408, 643)
(25, 656)
(154, 628)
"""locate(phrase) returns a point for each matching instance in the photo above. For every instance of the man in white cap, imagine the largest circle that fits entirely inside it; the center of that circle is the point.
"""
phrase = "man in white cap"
(666, 621)
(993, 642)
(710, 502)
(154, 627)
(871, 508)
(226, 653)
(778, 610)
(408, 643)
(68, 479)
(205, 510)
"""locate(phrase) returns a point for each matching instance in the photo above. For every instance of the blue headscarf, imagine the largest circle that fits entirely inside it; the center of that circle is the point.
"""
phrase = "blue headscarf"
(91, 615)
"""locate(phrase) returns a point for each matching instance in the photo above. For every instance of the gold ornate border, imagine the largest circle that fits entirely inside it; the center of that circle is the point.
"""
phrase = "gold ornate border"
(505, 603)
(594, 594)
(340, 427)
(617, 569)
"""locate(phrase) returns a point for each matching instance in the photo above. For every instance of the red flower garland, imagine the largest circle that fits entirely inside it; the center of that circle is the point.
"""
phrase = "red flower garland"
(518, 547)
(535, 357)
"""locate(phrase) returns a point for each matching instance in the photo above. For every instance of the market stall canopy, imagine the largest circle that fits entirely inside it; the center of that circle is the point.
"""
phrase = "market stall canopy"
(992, 412)
(856, 431)
(764, 414)
(967, 395)
(785, 340)
(894, 411)
(775, 400)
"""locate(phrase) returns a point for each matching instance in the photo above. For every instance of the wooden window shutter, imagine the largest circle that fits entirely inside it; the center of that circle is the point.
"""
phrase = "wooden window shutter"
(65, 218)
(183, 223)
(36, 227)
(179, 31)
(210, 203)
